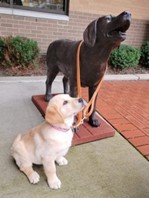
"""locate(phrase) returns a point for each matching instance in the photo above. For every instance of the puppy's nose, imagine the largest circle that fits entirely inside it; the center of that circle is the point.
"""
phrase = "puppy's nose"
(80, 100)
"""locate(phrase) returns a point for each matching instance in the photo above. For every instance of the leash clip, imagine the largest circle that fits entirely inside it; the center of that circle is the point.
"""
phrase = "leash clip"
(78, 124)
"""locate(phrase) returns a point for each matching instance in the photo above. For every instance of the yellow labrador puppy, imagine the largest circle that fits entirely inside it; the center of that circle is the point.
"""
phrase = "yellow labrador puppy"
(49, 142)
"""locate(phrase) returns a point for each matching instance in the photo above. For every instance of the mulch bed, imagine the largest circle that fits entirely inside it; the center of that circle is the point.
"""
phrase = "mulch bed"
(41, 69)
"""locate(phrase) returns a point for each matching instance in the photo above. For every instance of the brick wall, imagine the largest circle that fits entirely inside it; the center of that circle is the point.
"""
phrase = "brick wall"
(46, 30)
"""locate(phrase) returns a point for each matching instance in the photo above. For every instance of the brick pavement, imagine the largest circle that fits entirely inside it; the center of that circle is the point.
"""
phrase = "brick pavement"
(125, 105)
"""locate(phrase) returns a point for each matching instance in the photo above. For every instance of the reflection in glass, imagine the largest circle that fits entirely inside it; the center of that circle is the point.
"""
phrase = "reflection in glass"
(55, 5)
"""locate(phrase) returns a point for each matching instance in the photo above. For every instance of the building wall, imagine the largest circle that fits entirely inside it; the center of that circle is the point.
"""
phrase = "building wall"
(138, 8)
(81, 13)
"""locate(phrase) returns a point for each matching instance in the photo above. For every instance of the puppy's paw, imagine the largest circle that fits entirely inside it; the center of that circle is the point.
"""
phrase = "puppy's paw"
(61, 161)
(34, 177)
(54, 183)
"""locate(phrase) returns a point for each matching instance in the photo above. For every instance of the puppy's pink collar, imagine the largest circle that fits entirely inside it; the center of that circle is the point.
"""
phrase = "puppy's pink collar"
(59, 128)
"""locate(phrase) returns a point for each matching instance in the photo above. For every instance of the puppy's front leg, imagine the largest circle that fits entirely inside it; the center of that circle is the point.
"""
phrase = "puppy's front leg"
(30, 173)
(50, 171)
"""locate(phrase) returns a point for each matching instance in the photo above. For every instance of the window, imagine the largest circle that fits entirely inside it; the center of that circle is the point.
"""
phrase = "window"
(48, 6)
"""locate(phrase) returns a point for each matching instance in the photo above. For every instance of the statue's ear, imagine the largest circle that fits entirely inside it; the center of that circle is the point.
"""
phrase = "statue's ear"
(89, 34)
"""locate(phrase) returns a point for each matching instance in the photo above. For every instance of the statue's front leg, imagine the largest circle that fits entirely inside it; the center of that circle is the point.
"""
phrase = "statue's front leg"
(92, 120)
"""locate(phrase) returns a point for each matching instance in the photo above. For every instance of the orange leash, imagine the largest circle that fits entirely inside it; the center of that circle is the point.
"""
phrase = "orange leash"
(85, 113)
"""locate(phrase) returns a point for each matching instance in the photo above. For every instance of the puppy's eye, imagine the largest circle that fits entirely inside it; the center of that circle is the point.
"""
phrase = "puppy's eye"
(65, 102)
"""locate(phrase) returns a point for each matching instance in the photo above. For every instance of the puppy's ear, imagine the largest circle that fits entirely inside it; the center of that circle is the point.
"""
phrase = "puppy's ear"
(89, 34)
(53, 116)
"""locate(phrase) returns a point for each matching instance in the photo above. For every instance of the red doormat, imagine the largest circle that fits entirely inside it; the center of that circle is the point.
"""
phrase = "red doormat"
(86, 133)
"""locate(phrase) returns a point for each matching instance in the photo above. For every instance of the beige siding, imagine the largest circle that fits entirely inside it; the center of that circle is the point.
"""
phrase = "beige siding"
(138, 8)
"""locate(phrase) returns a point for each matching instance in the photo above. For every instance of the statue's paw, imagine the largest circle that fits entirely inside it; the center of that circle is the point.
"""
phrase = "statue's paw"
(48, 98)
(94, 122)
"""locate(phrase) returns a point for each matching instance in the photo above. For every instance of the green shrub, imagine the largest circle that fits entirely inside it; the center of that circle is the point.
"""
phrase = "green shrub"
(2, 48)
(124, 57)
(144, 60)
(19, 51)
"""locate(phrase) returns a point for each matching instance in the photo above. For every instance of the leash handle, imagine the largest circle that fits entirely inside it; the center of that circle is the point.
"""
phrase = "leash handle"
(80, 114)
(91, 103)
(78, 70)
(84, 114)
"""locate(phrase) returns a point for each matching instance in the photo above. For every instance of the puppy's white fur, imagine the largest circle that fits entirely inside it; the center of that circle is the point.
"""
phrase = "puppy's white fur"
(49, 142)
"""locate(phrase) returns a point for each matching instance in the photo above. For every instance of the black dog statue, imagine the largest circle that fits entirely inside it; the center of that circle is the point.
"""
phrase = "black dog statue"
(100, 37)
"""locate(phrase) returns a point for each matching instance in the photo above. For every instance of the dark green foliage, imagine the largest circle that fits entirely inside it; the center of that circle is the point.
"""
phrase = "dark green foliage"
(144, 60)
(18, 51)
(2, 48)
(124, 57)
